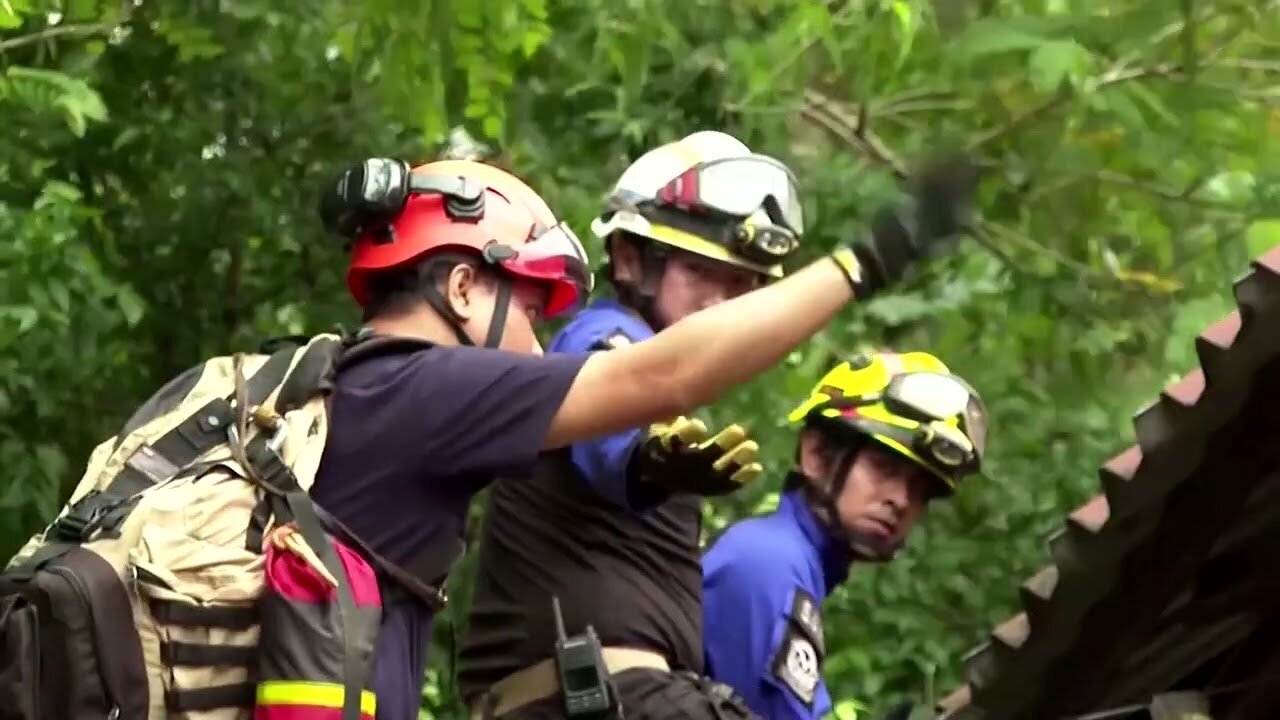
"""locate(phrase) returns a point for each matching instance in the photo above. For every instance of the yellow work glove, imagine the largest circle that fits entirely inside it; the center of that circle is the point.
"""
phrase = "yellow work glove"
(683, 456)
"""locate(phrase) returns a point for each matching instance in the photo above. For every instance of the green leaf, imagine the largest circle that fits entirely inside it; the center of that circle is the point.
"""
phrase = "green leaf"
(11, 12)
(1055, 61)
(848, 710)
(1153, 101)
(193, 41)
(899, 309)
(60, 295)
(12, 495)
(43, 89)
(57, 192)
(1261, 236)
(990, 36)
(904, 13)
(26, 317)
(1230, 187)
(130, 306)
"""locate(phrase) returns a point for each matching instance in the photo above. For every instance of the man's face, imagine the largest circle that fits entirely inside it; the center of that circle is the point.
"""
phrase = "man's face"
(884, 495)
(690, 283)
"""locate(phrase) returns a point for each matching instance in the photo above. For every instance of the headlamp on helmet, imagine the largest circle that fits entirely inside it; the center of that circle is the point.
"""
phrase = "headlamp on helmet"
(369, 196)
(394, 216)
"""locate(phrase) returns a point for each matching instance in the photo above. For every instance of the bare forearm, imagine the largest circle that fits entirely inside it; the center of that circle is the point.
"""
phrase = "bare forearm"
(707, 353)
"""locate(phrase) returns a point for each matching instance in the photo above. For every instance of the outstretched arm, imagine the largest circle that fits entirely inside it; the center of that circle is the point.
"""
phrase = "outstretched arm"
(699, 358)
(696, 360)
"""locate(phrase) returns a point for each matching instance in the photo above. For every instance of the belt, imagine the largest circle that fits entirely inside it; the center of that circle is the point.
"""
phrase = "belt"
(540, 681)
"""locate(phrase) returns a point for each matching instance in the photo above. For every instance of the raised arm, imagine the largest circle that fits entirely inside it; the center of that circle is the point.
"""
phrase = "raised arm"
(696, 360)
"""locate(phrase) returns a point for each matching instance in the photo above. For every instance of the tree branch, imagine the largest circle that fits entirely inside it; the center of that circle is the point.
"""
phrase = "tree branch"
(854, 131)
(50, 33)
(1117, 74)
(1151, 188)
(1271, 66)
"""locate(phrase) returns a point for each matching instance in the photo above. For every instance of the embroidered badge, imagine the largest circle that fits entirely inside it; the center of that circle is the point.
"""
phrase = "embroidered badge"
(798, 666)
(612, 341)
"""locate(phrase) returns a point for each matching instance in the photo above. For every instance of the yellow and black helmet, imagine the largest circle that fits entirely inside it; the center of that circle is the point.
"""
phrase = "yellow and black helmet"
(909, 402)
(708, 194)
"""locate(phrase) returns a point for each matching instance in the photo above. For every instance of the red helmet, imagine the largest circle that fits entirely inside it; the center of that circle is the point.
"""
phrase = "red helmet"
(475, 208)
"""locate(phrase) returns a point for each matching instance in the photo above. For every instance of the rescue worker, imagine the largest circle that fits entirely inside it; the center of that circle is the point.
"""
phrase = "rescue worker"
(608, 530)
(883, 434)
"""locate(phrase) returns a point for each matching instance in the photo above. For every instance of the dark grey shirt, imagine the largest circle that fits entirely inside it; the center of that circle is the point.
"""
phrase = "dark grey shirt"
(413, 437)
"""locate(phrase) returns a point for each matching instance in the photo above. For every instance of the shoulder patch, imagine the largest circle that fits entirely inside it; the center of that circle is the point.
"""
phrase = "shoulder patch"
(798, 665)
(806, 614)
(612, 341)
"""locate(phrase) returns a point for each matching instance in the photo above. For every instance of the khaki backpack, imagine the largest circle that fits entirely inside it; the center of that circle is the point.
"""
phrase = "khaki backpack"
(140, 600)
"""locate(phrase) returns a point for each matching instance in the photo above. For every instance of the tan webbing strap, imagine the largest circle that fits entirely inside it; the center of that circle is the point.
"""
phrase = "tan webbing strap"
(540, 681)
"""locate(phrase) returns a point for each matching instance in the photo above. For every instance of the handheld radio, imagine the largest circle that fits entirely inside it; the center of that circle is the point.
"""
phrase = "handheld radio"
(584, 679)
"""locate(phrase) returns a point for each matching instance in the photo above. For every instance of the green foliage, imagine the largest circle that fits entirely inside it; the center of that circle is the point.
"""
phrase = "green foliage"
(159, 163)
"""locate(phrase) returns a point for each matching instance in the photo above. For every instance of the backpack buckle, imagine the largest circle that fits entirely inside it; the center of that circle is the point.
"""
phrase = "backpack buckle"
(93, 512)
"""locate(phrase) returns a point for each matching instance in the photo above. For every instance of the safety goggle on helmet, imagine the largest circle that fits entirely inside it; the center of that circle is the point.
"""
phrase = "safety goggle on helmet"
(708, 194)
(739, 187)
(909, 402)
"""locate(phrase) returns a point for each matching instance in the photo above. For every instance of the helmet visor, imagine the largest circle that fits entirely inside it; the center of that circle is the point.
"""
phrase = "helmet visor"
(739, 187)
(553, 256)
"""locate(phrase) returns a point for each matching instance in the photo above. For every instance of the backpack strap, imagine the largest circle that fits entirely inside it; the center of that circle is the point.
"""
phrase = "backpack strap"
(104, 511)
(291, 502)
(416, 578)
(312, 374)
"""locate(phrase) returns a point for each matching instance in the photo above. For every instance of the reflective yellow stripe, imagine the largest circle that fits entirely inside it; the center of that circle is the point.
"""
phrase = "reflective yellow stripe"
(706, 248)
(297, 692)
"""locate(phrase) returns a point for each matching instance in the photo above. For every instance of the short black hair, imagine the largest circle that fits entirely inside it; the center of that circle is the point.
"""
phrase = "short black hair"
(402, 290)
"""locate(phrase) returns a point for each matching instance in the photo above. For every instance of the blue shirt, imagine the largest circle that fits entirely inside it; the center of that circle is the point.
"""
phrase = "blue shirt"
(413, 437)
(763, 584)
(603, 461)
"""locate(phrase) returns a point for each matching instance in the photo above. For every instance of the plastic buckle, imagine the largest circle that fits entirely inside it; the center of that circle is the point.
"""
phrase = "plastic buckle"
(83, 518)
(67, 528)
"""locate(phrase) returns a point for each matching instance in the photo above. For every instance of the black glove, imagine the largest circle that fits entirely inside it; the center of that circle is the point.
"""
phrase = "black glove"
(681, 456)
(939, 208)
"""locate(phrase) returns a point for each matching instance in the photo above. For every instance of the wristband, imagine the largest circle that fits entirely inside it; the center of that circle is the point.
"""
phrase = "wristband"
(847, 261)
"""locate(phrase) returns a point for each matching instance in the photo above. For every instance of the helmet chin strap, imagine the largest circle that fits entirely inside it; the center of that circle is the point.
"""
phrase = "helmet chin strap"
(497, 323)
(642, 296)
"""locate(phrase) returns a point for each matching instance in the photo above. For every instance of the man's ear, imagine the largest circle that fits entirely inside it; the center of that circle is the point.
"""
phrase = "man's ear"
(460, 286)
(812, 456)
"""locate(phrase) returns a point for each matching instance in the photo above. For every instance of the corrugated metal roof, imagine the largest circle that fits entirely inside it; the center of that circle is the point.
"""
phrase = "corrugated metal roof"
(1174, 562)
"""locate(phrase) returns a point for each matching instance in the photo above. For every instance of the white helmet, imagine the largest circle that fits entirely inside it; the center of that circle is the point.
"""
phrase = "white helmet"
(633, 205)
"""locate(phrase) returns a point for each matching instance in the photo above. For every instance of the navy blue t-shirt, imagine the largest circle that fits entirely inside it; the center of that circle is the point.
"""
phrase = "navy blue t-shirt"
(412, 438)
